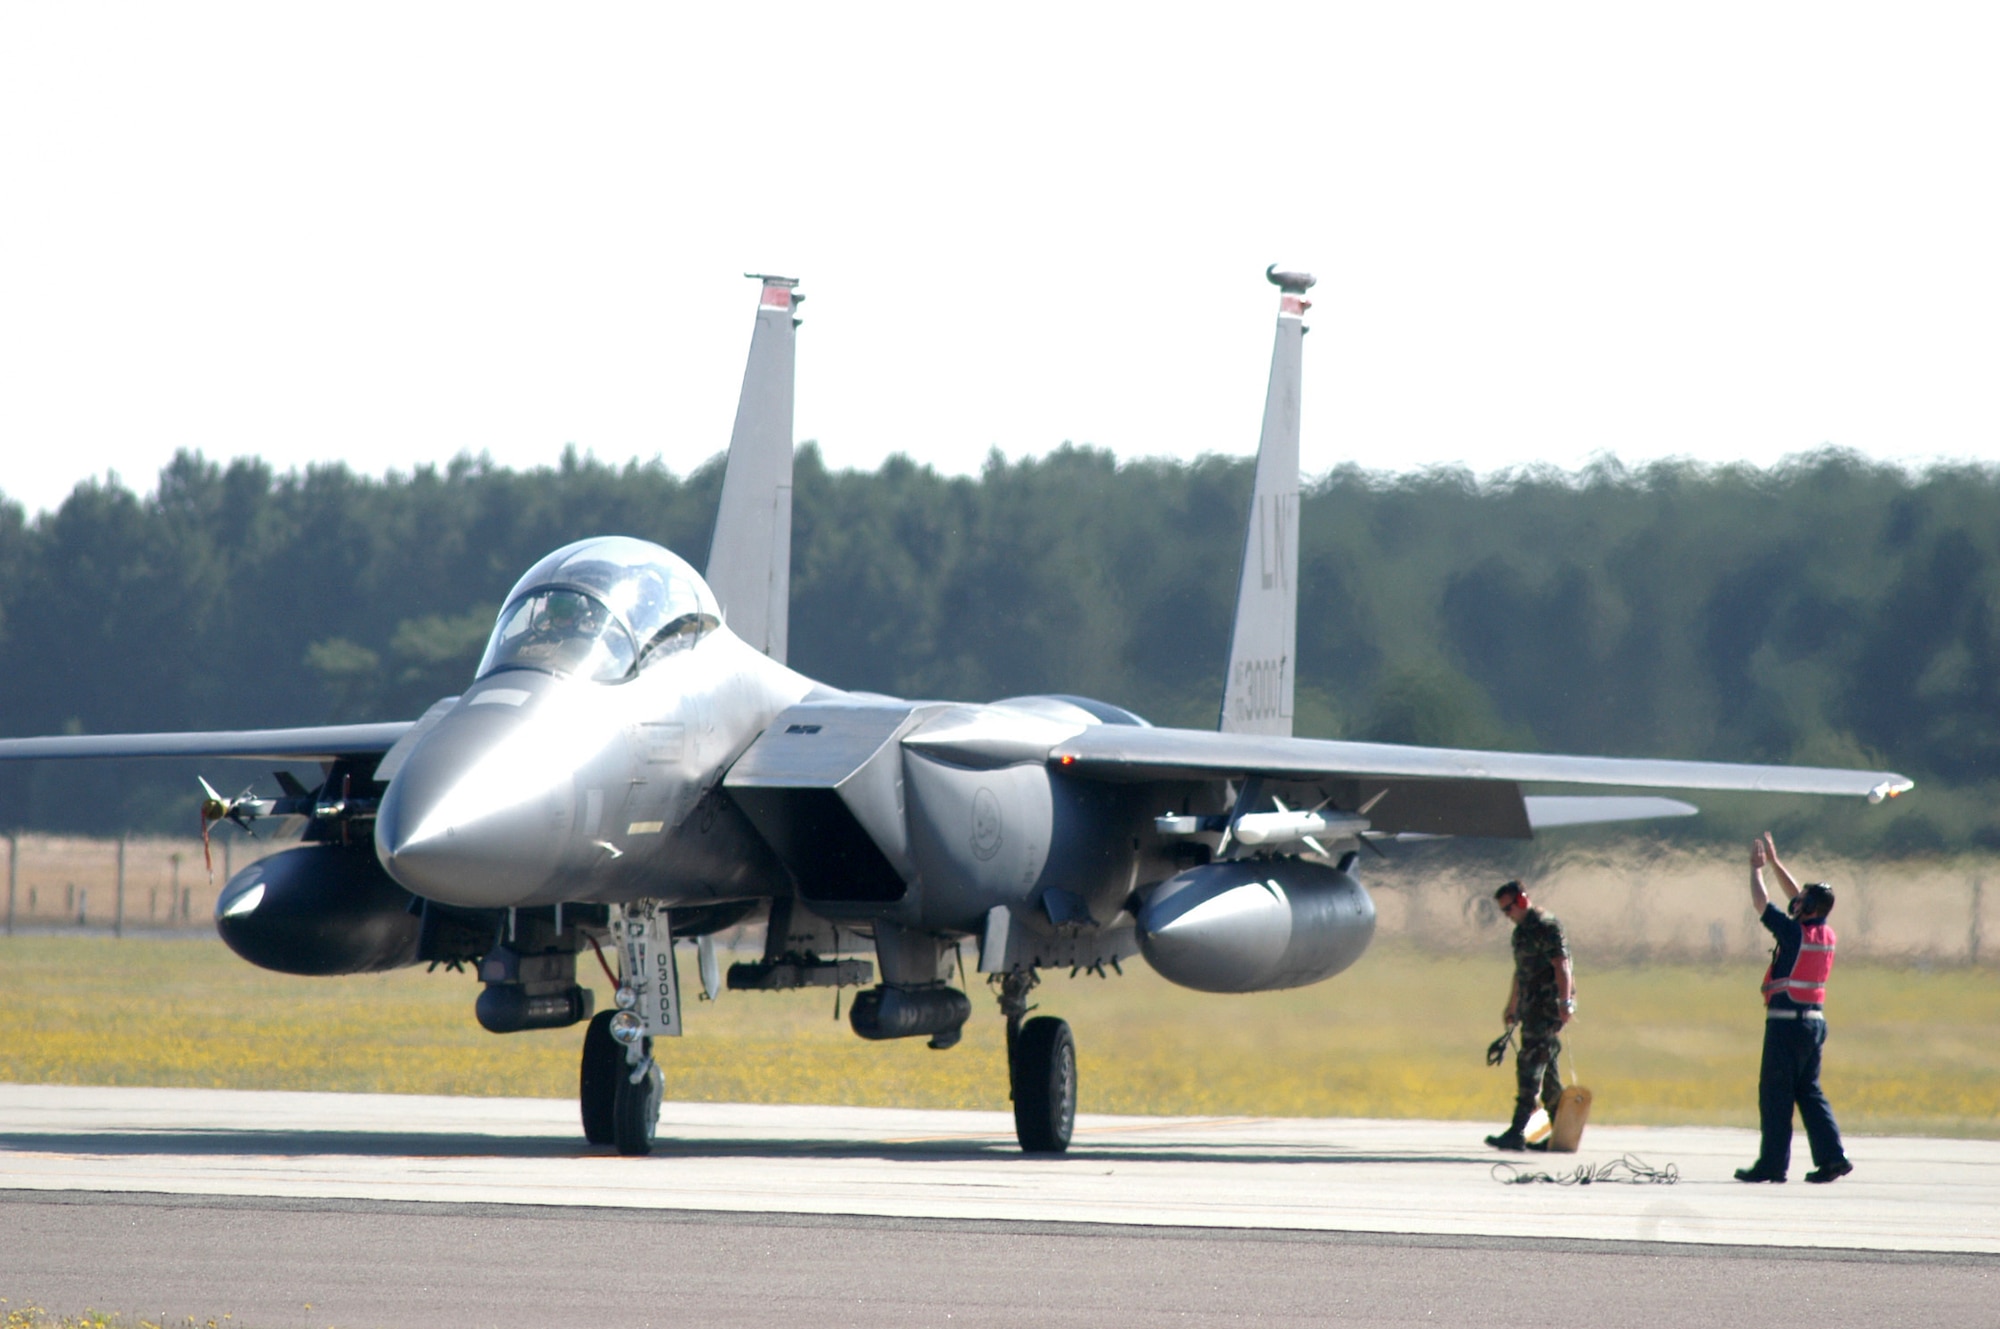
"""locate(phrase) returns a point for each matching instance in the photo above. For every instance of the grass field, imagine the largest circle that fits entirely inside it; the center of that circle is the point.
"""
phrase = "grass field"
(1400, 1035)
(37, 1317)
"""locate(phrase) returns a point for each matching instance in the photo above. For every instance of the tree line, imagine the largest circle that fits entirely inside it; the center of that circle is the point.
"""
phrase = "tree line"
(1828, 611)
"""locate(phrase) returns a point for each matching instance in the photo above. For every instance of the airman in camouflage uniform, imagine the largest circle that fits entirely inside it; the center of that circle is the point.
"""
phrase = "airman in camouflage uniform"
(1542, 1001)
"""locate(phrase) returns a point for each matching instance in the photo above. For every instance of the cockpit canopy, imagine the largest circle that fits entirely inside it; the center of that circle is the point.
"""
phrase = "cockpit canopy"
(601, 609)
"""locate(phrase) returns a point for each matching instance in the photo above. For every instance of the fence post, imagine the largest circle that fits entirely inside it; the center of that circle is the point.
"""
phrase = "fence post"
(13, 851)
(118, 912)
(1973, 927)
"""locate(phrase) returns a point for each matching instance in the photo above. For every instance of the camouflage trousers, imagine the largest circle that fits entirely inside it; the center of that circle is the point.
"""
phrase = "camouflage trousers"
(1535, 1068)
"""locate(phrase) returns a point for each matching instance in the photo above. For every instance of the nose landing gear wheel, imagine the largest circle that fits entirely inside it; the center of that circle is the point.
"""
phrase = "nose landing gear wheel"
(1044, 1074)
(597, 1086)
(635, 1108)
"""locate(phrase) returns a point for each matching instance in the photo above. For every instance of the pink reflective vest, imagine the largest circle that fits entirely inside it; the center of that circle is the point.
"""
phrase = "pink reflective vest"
(1806, 983)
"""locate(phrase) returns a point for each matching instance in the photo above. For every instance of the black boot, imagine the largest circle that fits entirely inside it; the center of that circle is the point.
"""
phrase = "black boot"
(1757, 1171)
(1511, 1139)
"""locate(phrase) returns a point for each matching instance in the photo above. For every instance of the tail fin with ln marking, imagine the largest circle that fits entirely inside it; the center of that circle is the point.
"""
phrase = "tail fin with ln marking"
(1257, 689)
(750, 556)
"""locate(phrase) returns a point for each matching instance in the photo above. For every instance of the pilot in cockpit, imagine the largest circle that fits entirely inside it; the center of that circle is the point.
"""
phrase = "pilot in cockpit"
(615, 605)
(563, 615)
(562, 633)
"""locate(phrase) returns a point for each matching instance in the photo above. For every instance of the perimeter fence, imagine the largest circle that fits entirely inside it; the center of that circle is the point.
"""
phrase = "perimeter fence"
(1628, 905)
(1634, 905)
(131, 884)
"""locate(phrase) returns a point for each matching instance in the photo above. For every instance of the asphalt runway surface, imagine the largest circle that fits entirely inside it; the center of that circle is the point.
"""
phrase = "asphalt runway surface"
(309, 1210)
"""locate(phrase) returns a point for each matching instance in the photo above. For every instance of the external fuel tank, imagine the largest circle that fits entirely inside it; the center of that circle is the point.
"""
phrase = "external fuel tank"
(1256, 924)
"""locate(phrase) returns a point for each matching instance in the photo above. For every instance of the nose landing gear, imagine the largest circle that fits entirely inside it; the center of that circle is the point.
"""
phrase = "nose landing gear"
(635, 1103)
(619, 1085)
(1041, 1070)
(619, 1090)
(597, 1087)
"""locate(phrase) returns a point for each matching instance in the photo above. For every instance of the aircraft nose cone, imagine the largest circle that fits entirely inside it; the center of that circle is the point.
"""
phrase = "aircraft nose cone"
(474, 818)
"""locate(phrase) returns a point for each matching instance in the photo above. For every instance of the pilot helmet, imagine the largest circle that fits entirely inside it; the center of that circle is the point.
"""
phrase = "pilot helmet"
(566, 608)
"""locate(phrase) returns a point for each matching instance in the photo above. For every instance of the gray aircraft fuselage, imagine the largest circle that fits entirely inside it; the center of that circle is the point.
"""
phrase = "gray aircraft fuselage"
(537, 787)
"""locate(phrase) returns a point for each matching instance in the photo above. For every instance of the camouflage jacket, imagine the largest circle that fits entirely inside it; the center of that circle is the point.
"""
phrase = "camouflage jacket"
(1538, 944)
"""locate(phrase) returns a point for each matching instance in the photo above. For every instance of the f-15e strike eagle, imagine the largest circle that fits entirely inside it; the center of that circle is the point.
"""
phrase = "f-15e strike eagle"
(633, 763)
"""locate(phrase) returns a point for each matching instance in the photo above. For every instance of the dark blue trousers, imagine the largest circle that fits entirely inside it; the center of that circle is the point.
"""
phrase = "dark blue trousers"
(1790, 1076)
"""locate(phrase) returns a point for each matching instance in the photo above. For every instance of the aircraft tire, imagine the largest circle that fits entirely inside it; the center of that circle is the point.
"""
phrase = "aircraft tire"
(597, 1083)
(1044, 1073)
(635, 1109)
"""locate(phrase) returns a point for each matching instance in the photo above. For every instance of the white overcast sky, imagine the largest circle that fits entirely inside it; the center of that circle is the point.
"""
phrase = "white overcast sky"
(391, 233)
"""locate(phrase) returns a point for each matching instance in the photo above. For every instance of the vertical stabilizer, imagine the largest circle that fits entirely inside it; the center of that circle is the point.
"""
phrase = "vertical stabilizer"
(750, 558)
(1257, 690)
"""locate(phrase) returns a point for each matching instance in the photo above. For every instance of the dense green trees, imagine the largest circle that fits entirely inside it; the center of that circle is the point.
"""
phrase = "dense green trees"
(1826, 611)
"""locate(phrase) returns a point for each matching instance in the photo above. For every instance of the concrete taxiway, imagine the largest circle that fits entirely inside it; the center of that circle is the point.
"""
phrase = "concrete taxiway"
(1431, 1179)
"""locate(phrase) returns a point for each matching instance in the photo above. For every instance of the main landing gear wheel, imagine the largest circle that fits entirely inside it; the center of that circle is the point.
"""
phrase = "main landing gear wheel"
(1044, 1075)
(635, 1108)
(597, 1085)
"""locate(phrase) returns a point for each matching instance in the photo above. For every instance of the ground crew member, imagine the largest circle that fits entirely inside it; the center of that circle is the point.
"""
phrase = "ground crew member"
(1542, 1000)
(1794, 1024)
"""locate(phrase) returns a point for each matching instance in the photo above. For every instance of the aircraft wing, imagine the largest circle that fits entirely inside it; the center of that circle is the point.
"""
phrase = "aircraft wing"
(1550, 810)
(313, 743)
(1133, 753)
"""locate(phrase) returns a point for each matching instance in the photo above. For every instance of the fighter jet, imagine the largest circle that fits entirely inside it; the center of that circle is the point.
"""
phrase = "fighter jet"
(633, 764)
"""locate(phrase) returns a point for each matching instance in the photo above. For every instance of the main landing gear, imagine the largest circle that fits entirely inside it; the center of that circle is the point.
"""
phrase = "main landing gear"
(1041, 1070)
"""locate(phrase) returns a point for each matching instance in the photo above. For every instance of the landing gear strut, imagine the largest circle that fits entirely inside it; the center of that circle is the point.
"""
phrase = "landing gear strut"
(1041, 1070)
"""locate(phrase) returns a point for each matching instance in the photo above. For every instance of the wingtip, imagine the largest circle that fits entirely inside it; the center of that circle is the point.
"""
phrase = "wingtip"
(1891, 787)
